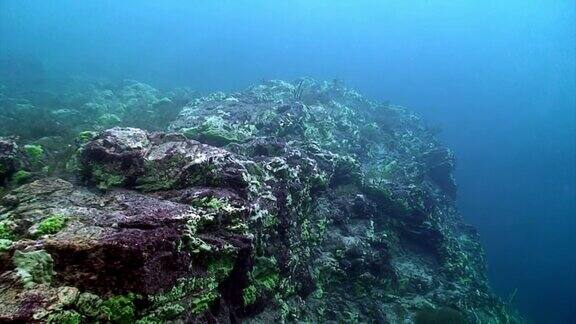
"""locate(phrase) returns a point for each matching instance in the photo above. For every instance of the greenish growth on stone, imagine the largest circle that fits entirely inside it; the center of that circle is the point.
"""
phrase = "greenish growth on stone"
(204, 175)
(94, 309)
(318, 132)
(192, 242)
(264, 278)
(21, 177)
(220, 269)
(162, 175)
(86, 136)
(105, 180)
(35, 267)
(380, 174)
(202, 302)
(197, 245)
(67, 296)
(455, 261)
(329, 276)
(51, 225)
(5, 231)
(313, 232)
(347, 170)
(35, 153)
(64, 317)
(89, 304)
(151, 184)
(370, 131)
(212, 203)
(119, 309)
(109, 120)
(305, 231)
(238, 226)
(216, 131)
(5, 244)
(155, 182)
(193, 295)
(319, 181)
(169, 305)
(249, 295)
(394, 205)
(114, 309)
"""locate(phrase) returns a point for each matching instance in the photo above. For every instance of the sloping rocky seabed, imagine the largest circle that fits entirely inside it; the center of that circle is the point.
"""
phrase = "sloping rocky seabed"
(283, 202)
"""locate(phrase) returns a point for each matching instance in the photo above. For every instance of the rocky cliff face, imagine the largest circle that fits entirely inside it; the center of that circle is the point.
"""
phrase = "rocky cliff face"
(284, 202)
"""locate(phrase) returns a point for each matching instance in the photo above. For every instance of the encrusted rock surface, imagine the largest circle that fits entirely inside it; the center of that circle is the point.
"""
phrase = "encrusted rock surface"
(284, 202)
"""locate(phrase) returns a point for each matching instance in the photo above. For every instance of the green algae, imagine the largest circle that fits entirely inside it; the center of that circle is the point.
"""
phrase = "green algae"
(212, 203)
(91, 308)
(5, 244)
(220, 268)
(264, 278)
(86, 136)
(64, 317)
(216, 131)
(89, 304)
(119, 309)
(34, 152)
(106, 179)
(35, 267)
(6, 230)
(21, 177)
(51, 225)
(249, 295)
(160, 176)
(190, 239)
(194, 295)
(109, 120)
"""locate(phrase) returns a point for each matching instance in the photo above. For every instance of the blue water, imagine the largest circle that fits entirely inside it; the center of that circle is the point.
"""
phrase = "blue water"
(499, 77)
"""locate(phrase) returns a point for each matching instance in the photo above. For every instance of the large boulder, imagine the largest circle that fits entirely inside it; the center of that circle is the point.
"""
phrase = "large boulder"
(120, 243)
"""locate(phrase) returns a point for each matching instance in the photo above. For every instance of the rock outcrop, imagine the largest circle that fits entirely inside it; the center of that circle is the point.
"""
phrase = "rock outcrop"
(283, 202)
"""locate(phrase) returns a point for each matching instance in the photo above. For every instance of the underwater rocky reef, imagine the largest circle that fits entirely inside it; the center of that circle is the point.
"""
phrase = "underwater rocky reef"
(294, 202)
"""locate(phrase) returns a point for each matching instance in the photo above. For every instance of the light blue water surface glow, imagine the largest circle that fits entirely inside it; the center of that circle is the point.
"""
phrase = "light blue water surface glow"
(497, 76)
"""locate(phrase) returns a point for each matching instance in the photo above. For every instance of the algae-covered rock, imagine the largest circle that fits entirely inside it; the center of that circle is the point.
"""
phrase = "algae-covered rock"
(298, 202)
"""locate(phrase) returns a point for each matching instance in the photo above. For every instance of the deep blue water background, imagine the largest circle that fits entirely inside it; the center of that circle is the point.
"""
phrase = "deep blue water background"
(498, 76)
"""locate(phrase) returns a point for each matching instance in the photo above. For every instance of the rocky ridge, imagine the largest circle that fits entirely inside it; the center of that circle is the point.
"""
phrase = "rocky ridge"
(283, 202)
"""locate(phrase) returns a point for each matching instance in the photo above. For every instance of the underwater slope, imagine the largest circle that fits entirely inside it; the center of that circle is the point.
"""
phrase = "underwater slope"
(293, 202)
